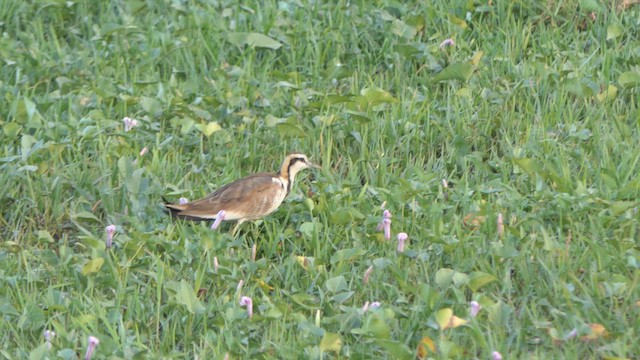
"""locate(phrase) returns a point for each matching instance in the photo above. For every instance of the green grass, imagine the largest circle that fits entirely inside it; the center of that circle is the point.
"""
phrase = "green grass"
(534, 114)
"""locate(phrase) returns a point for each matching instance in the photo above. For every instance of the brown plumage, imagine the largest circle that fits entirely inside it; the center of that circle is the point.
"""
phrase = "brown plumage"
(249, 198)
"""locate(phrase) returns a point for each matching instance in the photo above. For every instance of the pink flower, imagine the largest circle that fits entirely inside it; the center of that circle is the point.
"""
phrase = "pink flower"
(447, 42)
(374, 305)
(183, 200)
(110, 230)
(573, 333)
(246, 301)
(239, 287)
(500, 225)
(367, 274)
(386, 215)
(496, 356)
(219, 218)
(48, 336)
(129, 123)
(474, 308)
(402, 237)
(144, 151)
(93, 342)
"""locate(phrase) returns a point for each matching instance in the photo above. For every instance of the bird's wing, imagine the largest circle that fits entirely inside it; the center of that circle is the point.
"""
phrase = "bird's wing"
(229, 198)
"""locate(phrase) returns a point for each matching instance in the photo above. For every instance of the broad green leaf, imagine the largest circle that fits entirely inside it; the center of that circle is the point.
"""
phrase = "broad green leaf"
(39, 353)
(187, 297)
(44, 235)
(254, 40)
(619, 207)
(458, 22)
(350, 254)
(210, 128)
(342, 297)
(331, 343)
(378, 328)
(460, 71)
(336, 284)
(443, 317)
(401, 29)
(629, 79)
(375, 96)
(93, 266)
(309, 228)
(609, 94)
(530, 166)
(290, 130)
(589, 5)
(478, 279)
(151, 106)
(85, 215)
(361, 118)
(614, 30)
(444, 277)
(11, 130)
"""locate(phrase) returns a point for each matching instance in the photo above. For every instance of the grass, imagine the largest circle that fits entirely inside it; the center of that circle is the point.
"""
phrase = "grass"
(532, 114)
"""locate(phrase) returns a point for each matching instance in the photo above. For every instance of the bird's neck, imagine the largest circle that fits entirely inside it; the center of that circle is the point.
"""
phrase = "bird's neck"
(287, 176)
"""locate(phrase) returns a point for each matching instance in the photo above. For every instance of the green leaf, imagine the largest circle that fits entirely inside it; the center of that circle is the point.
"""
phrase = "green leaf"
(254, 40)
(342, 297)
(443, 317)
(187, 297)
(401, 29)
(444, 277)
(290, 130)
(330, 342)
(377, 328)
(351, 254)
(151, 106)
(336, 284)
(375, 96)
(629, 79)
(478, 279)
(461, 72)
(93, 266)
(11, 130)
(308, 229)
(614, 30)
(45, 236)
(530, 166)
(619, 207)
(210, 128)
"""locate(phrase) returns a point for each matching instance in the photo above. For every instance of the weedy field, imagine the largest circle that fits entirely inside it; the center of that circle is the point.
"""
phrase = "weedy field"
(501, 136)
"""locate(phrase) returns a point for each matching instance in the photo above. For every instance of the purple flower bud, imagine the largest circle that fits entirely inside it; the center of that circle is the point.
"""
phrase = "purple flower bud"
(374, 305)
(402, 237)
(110, 230)
(447, 42)
(219, 218)
(129, 123)
(183, 200)
(496, 356)
(474, 308)
(48, 336)
(386, 215)
(386, 224)
(246, 301)
(93, 342)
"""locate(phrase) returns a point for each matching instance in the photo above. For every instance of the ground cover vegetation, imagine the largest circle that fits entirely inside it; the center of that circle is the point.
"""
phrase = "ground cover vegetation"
(501, 136)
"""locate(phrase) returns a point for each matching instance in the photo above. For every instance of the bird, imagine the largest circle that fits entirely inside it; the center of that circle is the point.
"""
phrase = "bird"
(249, 198)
